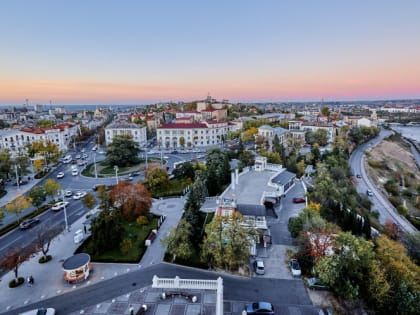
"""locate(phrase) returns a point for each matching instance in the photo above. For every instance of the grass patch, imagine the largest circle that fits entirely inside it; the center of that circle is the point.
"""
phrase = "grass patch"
(175, 188)
(137, 234)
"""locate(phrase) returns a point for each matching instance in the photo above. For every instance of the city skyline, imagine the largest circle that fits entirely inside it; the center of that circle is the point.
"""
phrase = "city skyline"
(110, 52)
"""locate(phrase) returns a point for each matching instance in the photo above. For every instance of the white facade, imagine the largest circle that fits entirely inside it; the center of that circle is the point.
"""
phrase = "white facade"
(138, 133)
(16, 139)
(195, 134)
(364, 122)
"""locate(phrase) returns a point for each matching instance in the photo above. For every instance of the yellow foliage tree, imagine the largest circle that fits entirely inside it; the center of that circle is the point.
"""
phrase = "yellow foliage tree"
(17, 205)
(248, 135)
(38, 164)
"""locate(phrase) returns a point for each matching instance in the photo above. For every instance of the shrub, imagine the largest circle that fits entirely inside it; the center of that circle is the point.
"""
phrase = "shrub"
(402, 210)
(392, 187)
(375, 214)
(13, 283)
(396, 201)
(44, 259)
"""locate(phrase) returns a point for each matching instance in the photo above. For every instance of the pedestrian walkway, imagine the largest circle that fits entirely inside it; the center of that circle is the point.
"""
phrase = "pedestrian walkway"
(48, 277)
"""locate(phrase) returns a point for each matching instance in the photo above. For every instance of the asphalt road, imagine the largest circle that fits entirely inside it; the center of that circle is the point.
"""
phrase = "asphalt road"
(280, 292)
(379, 202)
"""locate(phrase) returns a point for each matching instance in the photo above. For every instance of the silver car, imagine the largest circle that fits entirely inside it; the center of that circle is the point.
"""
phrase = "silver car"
(259, 267)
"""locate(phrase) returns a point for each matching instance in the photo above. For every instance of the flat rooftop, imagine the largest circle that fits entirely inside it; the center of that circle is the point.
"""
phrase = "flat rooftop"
(251, 187)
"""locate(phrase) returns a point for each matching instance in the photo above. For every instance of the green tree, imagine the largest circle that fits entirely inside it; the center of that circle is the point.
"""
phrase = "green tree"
(47, 150)
(321, 137)
(218, 171)
(126, 245)
(51, 187)
(142, 220)
(185, 170)
(227, 242)
(107, 231)
(272, 157)
(178, 241)
(5, 163)
(182, 142)
(325, 111)
(316, 153)
(276, 145)
(38, 195)
(246, 158)
(122, 151)
(156, 179)
(45, 123)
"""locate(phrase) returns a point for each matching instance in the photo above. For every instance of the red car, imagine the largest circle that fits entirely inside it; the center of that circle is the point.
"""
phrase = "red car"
(298, 200)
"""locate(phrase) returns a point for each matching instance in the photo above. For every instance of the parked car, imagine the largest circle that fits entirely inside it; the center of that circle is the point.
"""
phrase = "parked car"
(259, 267)
(316, 284)
(259, 308)
(298, 200)
(40, 311)
(26, 224)
(60, 175)
(101, 152)
(79, 195)
(68, 193)
(21, 182)
(295, 268)
(369, 193)
(78, 156)
(59, 205)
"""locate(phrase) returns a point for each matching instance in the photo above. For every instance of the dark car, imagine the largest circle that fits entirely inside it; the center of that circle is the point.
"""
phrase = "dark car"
(21, 182)
(259, 308)
(174, 152)
(132, 174)
(316, 284)
(359, 176)
(26, 224)
(298, 200)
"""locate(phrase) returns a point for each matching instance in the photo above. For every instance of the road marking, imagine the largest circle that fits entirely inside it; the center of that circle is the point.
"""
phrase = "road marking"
(15, 240)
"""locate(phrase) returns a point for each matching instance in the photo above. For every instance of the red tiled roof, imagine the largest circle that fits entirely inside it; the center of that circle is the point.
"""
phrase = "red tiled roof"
(182, 126)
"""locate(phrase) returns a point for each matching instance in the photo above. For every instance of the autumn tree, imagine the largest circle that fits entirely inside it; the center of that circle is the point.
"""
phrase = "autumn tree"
(45, 149)
(45, 233)
(38, 195)
(249, 134)
(156, 178)
(17, 205)
(51, 187)
(89, 201)
(131, 200)
(142, 220)
(122, 151)
(178, 241)
(14, 258)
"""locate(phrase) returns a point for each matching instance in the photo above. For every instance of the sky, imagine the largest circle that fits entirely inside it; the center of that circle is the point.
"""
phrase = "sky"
(140, 52)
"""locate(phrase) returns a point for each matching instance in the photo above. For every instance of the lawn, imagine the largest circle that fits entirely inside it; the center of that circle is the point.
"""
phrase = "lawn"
(133, 231)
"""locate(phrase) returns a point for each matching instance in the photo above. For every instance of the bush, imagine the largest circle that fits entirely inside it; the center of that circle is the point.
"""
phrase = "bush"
(396, 201)
(392, 187)
(402, 210)
(13, 283)
(44, 259)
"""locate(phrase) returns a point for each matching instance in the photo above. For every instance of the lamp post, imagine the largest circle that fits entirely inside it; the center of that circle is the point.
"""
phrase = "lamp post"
(65, 212)
(17, 176)
(116, 172)
(94, 164)
(146, 160)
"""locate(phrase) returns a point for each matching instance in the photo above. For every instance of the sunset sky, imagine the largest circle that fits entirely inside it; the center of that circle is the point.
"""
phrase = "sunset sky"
(139, 52)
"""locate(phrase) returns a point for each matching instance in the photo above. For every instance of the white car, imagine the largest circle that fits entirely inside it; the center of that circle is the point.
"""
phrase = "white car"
(101, 152)
(79, 195)
(84, 156)
(68, 193)
(74, 172)
(60, 175)
(295, 268)
(40, 311)
(59, 205)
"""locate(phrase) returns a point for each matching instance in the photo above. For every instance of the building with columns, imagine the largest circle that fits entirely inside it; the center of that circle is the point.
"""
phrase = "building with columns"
(119, 128)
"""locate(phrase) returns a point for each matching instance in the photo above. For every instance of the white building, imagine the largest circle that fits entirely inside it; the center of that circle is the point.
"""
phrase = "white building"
(137, 132)
(16, 139)
(193, 134)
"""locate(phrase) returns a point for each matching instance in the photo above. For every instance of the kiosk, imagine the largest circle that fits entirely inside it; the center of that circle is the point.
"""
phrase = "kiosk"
(76, 268)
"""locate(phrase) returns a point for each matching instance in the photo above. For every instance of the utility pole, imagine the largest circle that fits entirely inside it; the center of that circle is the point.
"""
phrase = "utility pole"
(65, 212)
(116, 172)
(94, 164)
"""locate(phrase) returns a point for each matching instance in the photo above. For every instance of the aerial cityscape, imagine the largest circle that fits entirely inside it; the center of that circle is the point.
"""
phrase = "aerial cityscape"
(222, 157)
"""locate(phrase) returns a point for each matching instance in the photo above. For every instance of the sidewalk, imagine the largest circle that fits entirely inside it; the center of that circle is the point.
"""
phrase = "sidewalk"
(49, 276)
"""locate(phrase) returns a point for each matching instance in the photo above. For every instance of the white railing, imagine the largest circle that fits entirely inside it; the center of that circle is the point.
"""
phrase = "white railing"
(178, 283)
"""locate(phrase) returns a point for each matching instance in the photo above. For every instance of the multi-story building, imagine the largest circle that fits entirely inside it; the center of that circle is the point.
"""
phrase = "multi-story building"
(175, 135)
(119, 128)
(16, 139)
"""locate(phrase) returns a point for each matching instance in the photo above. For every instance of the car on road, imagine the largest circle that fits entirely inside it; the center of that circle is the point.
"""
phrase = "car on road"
(81, 163)
(259, 267)
(298, 200)
(316, 284)
(295, 268)
(359, 176)
(74, 172)
(135, 173)
(40, 311)
(369, 193)
(21, 183)
(60, 175)
(59, 205)
(79, 195)
(101, 152)
(84, 156)
(78, 157)
(26, 224)
(68, 193)
(259, 308)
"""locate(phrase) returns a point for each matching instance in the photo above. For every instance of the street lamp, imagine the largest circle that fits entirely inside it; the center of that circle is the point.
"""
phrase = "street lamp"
(94, 164)
(17, 176)
(116, 172)
(65, 212)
